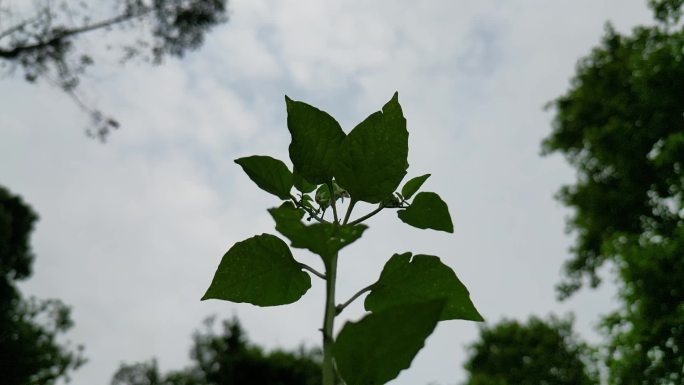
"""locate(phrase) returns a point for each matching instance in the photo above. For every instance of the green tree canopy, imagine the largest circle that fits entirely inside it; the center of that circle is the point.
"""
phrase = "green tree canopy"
(667, 10)
(646, 335)
(30, 350)
(535, 353)
(228, 358)
(621, 126)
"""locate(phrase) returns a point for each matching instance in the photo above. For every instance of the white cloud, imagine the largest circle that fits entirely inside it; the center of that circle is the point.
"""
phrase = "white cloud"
(132, 231)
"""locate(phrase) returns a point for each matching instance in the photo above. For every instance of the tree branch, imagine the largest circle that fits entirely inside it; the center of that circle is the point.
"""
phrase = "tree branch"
(16, 51)
(16, 27)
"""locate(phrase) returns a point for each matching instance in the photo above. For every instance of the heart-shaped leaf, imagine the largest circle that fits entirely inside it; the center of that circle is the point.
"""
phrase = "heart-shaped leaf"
(420, 278)
(316, 137)
(259, 270)
(270, 174)
(427, 211)
(373, 158)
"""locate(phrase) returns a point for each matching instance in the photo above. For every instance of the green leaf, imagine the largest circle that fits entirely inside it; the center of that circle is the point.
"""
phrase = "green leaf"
(316, 137)
(373, 157)
(269, 174)
(306, 201)
(421, 278)
(302, 184)
(322, 196)
(427, 211)
(261, 271)
(375, 349)
(412, 186)
(324, 239)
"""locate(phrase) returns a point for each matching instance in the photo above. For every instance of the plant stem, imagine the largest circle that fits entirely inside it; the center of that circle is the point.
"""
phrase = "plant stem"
(349, 211)
(329, 321)
(332, 202)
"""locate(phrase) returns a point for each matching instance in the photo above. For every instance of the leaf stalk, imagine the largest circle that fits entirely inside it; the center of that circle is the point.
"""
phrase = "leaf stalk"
(312, 270)
(332, 202)
(340, 307)
(349, 211)
(363, 218)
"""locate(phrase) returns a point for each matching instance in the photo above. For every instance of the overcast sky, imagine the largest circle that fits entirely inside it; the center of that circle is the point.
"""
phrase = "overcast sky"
(131, 231)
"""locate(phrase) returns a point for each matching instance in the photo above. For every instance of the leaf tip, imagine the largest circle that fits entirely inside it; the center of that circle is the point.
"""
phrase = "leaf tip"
(289, 103)
(205, 296)
(394, 99)
(393, 107)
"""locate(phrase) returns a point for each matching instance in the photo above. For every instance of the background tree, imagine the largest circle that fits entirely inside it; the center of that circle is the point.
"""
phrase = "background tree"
(30, 353)
(228, 359)
(16, 223)
(621, 125)
(536, 353)
(42, 40)
(667, 11)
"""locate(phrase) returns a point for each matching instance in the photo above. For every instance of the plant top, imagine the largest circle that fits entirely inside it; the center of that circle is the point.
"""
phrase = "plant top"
(413, 292)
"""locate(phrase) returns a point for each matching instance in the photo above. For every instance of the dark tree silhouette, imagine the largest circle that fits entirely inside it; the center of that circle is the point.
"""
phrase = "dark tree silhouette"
(228, 359)
(536, 353)
(30, 353)
(621, 125)
(16, 223)
(43, 41)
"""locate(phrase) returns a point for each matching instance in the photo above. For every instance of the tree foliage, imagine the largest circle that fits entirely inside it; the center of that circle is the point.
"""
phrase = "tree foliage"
(534, 353)
(646, 335)
(621, 125)
(228, 358)
(44, 42)
(31, 351)
(668, 11)
(16, 223)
